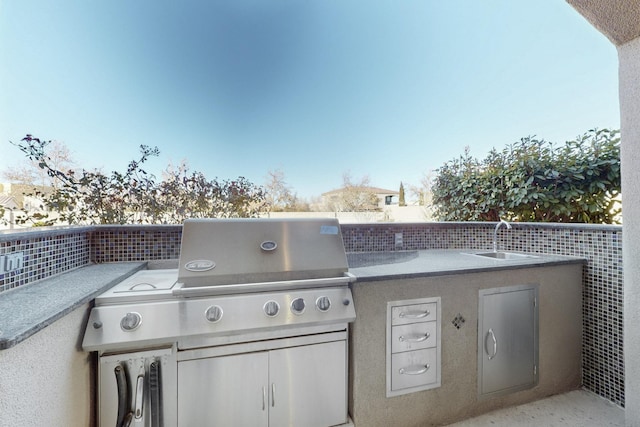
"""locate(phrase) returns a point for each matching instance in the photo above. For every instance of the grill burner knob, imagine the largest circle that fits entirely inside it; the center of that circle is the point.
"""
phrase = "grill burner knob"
(131, 321)
(298, 306)
(271, 308)
(323, 304)
(213, 313)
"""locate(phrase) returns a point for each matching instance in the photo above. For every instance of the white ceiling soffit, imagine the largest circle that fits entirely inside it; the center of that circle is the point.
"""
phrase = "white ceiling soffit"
(618, 20)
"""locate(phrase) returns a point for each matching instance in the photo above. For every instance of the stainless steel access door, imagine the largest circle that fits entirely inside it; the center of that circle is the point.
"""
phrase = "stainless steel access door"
(309, 385)
(224, 391)
(507, 339)
(294, 386)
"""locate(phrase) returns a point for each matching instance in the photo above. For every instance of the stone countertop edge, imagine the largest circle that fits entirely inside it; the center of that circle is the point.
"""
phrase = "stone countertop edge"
(433, 263)
(30, 308)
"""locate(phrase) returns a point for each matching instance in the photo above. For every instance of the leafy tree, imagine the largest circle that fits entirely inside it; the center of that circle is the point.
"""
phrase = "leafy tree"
(533, 180)
(91, 197)
(183, 194)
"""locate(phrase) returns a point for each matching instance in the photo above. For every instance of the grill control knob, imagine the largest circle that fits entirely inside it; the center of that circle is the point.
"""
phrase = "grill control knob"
(323, 304)
(271, 308)
(298, 306)
(213, 313)
(131, 321)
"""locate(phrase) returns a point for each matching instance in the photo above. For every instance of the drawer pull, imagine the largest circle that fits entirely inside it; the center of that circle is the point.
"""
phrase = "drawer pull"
(414, 337)
(414, 314)
(415, 370)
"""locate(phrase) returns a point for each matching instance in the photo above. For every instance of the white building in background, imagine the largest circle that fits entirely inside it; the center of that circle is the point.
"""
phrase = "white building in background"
(384, 197)
(8, 206)
(15, 200)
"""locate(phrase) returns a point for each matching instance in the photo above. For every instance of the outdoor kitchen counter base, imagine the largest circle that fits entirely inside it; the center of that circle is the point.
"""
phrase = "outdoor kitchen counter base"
(31, 308)
(46, 378)
(560, 333)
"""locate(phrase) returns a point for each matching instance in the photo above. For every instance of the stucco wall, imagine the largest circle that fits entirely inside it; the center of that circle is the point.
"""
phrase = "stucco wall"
(560, 326)
(46, 380)
(629, 55)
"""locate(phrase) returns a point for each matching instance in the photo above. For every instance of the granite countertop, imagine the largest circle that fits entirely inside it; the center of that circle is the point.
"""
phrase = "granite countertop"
(30, 308)
(375, 266)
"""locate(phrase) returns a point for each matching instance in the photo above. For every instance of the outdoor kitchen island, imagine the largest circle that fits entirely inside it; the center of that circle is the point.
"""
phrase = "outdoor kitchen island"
(455, 295)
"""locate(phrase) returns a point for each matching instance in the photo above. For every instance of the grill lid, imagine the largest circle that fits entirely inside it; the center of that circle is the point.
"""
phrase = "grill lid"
(228, 251)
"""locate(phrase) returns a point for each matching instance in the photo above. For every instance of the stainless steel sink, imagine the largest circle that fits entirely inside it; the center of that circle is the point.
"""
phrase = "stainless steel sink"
(504, 255)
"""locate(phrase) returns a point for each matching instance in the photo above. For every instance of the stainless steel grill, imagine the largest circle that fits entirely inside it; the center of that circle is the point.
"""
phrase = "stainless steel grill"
(246, 293)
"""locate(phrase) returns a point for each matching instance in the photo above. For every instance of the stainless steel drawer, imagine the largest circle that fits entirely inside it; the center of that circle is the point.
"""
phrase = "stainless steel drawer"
(414, 368)
(414, 336)
(405, 314)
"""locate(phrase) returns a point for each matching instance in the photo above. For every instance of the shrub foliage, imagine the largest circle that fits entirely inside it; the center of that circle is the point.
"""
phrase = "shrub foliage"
(535, 180)
(134, 196)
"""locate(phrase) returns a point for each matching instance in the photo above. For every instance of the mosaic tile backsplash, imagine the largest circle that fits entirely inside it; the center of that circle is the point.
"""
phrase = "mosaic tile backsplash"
(44, 255)
(118, 244)
(50, 253)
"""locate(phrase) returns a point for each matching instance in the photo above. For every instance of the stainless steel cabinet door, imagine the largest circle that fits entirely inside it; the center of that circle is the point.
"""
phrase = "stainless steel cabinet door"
(227, 391)
(507, 340)
(308, 385)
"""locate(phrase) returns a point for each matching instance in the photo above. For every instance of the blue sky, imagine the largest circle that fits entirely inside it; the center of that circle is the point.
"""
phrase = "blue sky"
(315, 88)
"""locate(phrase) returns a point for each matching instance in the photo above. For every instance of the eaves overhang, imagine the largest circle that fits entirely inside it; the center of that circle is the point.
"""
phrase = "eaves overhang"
(618, 20)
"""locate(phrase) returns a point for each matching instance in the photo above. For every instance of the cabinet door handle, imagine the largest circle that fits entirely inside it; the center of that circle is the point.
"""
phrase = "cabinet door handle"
(264, 398)
(414, 314)
(273, 394)
(415, 370)
(414, 337)
(494, 341)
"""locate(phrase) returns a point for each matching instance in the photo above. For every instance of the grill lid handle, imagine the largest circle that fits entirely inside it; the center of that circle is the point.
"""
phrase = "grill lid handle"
(239, 288)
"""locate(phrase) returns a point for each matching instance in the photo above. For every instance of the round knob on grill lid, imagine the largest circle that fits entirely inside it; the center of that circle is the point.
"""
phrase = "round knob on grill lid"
(268, 245)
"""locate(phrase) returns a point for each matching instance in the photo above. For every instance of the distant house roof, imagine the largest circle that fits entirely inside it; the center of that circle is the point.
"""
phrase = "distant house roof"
(8, 202)
(374, 190)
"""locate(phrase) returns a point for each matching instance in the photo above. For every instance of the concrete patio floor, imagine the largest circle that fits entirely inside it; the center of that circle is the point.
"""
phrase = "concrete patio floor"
(576, 408)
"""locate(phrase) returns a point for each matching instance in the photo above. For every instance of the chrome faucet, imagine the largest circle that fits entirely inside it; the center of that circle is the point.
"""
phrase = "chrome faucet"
(495, 233)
